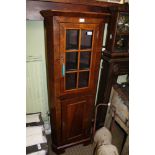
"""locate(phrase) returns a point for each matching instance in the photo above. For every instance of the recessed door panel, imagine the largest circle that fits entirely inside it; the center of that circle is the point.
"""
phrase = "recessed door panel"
(76, 118)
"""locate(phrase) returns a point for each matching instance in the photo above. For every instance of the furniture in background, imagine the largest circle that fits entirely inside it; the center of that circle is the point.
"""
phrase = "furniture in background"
(115, 132)
(73, 56)
(117, 117)
(115, 57)
(36, 142)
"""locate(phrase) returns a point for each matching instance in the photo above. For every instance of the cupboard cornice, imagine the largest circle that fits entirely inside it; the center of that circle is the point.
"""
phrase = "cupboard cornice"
(33, 7)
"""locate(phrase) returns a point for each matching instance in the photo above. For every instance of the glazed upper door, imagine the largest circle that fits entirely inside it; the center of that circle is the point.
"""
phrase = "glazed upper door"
(78, 56)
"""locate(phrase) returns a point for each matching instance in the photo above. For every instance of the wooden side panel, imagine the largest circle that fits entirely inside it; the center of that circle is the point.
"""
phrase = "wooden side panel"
(53, 77)
(76, 118)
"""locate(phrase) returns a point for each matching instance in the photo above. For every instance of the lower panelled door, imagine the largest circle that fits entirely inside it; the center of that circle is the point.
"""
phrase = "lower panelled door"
(76, 118)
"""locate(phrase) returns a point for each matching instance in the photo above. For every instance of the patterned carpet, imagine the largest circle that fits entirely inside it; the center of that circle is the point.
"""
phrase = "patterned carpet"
(75, 150)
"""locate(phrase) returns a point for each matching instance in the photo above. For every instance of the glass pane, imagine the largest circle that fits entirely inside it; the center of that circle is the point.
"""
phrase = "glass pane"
(86, 40)
(123, 23)
(85, 60)
(71, 60)
(71, 79)
(72, 39)
(83, 79)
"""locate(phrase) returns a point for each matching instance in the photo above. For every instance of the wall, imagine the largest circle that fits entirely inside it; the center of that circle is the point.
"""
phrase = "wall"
(36, 86)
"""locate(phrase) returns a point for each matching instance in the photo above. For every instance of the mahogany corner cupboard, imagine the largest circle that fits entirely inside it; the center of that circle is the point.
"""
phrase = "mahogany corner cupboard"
(74, 41)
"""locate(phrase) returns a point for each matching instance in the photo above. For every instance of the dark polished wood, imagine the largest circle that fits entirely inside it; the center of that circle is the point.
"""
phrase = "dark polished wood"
(33, 8)
(116, 54)
(67, 13)
(109, 73)
(112, 32)
(76, 118)
(72, 110)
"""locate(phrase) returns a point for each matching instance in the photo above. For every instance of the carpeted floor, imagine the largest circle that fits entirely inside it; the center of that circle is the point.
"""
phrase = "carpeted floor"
(75, 150)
